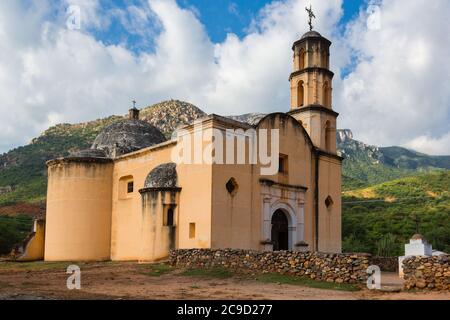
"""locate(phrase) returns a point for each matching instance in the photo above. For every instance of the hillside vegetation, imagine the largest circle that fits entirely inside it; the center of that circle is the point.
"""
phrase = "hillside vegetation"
(24, 170)
(366, 165)
(381, 218)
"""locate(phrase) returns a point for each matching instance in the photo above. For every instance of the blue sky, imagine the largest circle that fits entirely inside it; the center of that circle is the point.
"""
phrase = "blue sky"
(222, 16)
(219, 17)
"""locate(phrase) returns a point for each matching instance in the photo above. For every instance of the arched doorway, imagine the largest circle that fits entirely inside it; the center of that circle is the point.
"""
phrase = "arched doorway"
(280, 231)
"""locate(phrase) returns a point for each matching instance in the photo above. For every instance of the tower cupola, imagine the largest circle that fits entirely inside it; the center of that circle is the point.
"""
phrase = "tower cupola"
(312, 88)
(311, 79)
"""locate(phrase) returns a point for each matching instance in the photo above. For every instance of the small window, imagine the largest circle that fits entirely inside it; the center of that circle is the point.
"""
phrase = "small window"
(126, 187)
(191, 230)
(130, 187)
(169, 217)
(283, 164)
(329, 202)
(232, 186)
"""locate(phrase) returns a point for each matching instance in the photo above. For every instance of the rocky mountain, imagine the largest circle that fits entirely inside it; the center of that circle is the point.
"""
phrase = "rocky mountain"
(23, 171)
(169, 115)
(366, 164)
(250, 118)
(404, 158)
(350, 148)
(396, 157)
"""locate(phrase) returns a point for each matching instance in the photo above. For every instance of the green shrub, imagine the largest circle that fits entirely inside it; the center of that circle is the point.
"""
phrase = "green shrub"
(13, 230)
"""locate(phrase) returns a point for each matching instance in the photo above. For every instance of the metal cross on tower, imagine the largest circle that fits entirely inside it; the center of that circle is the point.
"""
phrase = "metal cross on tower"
(311, 16)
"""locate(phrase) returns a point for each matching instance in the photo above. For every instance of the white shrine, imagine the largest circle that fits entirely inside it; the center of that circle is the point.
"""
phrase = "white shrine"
(417, 246)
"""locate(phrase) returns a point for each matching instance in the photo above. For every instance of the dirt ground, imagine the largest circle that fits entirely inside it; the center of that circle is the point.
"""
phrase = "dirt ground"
(114, 280)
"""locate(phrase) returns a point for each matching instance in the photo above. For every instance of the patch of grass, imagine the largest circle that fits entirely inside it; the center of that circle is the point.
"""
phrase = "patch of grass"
(300, 281)
(157, 270)
(218, 273)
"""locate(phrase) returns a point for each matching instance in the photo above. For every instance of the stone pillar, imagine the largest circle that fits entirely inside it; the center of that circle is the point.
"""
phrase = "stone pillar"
(301, 221)
(266, 224)
(292, 237)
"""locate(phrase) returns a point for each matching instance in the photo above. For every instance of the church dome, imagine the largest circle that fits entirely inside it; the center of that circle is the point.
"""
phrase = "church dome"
(311, 34)
(127, 136)
(89, 153)
(163, 176)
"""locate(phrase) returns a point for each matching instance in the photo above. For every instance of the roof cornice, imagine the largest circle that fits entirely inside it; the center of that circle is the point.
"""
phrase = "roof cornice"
(311, 69)
(314, 107)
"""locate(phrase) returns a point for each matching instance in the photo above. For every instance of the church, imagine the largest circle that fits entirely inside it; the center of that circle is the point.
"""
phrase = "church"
(126, 198)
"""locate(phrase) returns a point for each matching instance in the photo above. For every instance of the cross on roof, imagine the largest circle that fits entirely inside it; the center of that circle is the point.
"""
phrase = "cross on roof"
(311, 16)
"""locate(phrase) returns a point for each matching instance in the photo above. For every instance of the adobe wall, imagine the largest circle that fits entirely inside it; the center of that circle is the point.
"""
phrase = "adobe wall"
(330, 216)
(238, 218)
(78, 219)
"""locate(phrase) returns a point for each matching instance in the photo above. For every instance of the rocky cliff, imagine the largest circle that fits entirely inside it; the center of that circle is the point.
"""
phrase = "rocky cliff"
(169, 115)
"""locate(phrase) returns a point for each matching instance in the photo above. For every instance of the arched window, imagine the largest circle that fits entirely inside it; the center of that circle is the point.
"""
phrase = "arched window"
(326, 94)
(300, 94)
(328, 136)
(302, 56)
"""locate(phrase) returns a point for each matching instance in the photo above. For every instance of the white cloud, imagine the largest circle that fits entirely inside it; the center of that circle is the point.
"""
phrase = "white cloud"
(430, 145)
(49, 74)
(399, 89)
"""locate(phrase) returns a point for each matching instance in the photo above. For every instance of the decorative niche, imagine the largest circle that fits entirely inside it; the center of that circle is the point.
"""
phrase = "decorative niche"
(232, 186)
(329, 202)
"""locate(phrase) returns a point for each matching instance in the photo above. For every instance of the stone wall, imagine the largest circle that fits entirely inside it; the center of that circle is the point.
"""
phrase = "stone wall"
(431, 273)
(339, 268)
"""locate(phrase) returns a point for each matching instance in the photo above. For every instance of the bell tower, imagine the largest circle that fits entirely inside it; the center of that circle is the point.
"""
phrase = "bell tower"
(311, 89)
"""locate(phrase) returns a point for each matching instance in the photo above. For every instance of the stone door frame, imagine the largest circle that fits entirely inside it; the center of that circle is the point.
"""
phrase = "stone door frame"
(289, 199)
